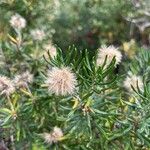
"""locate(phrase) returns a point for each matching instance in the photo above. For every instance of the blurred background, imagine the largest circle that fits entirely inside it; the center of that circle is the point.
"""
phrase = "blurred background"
(85, 23)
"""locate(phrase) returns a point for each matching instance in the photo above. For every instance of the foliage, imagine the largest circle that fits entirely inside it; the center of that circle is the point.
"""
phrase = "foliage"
(99, 115)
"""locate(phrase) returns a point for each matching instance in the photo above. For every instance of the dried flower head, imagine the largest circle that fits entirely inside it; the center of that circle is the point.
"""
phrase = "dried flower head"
(134, 81)
(61, 81)
(17, 22)
(54, 136)
(52, 50)
(6, 86)
(47, 138)
(22, 80)
(110, 52)
(38, 34)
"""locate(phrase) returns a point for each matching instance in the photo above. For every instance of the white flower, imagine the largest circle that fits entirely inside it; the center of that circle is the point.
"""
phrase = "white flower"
(6, 86)
(52, 50)
(22, 80)
(61, 81)
(38, 34)
(47, 138)
(110, 52)
(134, 81)
(54, 136)
(17, 22)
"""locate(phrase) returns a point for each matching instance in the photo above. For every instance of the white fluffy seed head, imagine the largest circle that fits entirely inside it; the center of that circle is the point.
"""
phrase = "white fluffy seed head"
(38, 34)
(22, 80)
(47, 138)
(54, 136)
(6, 86)
(61, 81)
(134, 81)
(17, 22)
(110, 52)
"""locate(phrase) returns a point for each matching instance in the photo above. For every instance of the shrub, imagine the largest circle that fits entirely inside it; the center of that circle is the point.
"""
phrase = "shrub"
(77, 104)
(66, 98)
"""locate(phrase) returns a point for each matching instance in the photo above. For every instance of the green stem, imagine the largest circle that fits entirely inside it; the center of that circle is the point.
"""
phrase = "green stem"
(11, 136)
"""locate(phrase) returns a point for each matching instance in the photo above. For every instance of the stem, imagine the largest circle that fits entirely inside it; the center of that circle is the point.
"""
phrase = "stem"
(12, 142)
(55, 107)
(10, 103)
(11, 136)
(56, 147)
(19, 39)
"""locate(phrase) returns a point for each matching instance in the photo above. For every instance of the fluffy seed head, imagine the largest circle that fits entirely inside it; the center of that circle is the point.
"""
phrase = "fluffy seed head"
(134, 81)
(22, 80)
(54, 136)
(61, 81)
(47, 138)
(110, 52)
(38, 34)
(17, 22)
(6, 86)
